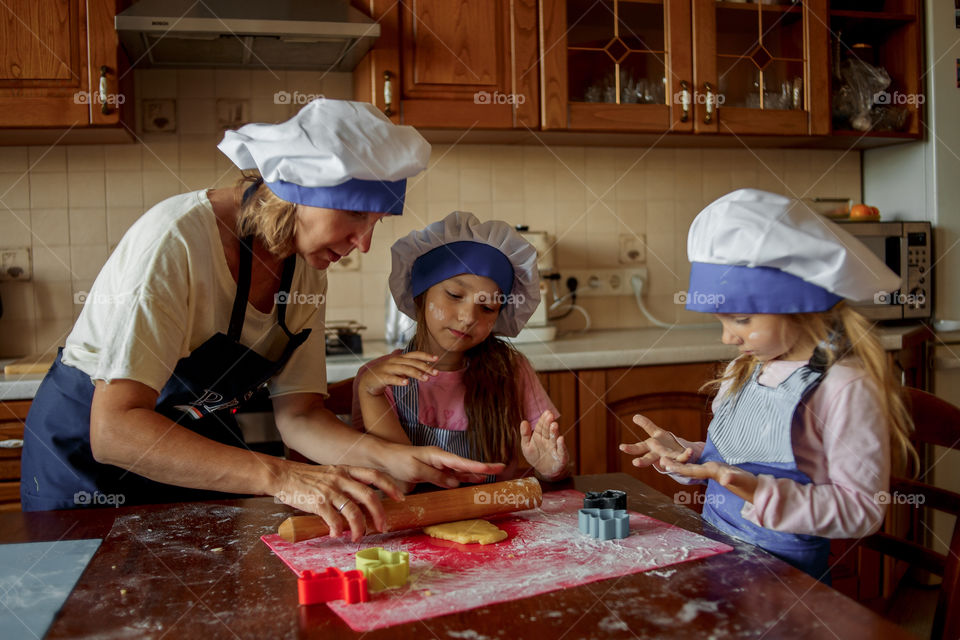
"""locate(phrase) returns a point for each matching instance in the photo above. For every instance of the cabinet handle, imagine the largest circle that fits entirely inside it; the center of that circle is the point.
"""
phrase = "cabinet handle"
(388, 93)
(708, 111)
(104, 107)
(12, 443)
(684, 101)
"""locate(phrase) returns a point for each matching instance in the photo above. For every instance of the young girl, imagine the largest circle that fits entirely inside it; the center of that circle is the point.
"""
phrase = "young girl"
(457, 385)
(808, 416)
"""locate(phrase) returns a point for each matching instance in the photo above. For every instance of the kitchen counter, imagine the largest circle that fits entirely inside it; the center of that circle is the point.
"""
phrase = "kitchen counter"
(592, 350)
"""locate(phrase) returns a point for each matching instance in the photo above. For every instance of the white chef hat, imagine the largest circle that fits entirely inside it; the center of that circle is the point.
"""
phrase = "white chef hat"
(753, 251)
(460, 243)
(335, 154)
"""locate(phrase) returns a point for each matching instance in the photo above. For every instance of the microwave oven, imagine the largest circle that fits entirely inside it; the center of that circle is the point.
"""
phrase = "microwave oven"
(905, 247)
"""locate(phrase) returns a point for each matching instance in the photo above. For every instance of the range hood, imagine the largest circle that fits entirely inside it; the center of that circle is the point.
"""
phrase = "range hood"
(246, 34)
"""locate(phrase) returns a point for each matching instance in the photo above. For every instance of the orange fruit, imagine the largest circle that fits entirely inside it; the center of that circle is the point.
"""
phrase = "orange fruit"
(863, 211)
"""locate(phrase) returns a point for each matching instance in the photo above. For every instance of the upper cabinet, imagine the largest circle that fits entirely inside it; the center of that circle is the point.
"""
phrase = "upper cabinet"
(673, 65)
(60, 65)
(453, 63)
(809, 71)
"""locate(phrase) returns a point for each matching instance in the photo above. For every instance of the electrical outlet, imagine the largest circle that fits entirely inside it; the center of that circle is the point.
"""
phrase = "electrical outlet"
(601, 282)
(15, 263)
(633, 248)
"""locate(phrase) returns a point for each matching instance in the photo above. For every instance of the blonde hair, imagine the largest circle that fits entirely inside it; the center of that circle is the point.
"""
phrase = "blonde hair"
(848, 335)
(270, 219)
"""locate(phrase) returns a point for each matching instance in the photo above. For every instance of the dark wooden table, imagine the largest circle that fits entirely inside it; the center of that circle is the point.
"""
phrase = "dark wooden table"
(200, 570)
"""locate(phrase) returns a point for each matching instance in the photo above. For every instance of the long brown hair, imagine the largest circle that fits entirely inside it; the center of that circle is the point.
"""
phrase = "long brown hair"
(270, 219)
(492, 396)
(850, 336)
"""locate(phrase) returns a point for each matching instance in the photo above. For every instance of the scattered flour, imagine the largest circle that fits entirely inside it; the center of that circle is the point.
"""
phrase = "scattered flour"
(612, 623)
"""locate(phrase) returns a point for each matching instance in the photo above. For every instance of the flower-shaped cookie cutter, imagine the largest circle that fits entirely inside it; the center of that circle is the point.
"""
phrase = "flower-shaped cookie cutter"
(609, 499)
(383, 569)
(604, 524)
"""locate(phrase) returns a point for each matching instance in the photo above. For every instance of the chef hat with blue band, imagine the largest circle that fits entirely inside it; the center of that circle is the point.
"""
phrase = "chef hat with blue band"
(753, 251)
(335, 154)
(459, 244)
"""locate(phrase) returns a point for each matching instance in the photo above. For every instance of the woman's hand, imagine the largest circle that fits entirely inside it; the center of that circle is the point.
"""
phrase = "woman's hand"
(741, 483)
(544, 448)
(434, 465)
(658, 448)
(397, 371)
(341, 495)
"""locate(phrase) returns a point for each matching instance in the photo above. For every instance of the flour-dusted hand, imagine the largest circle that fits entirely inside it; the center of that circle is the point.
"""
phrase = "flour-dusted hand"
(741, 483)
(397, 371)
(339, 494)
(659, 447)
(544, 447)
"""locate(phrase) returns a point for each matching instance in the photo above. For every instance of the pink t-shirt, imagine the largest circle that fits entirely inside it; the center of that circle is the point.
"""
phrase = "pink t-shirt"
(440, 399)
(843, 446)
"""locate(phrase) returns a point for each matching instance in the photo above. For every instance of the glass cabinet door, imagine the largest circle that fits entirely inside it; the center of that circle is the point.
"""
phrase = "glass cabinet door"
(617, 65)
(760, 67)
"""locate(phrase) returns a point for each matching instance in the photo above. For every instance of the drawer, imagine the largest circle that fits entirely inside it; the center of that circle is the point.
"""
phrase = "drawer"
(9, 496)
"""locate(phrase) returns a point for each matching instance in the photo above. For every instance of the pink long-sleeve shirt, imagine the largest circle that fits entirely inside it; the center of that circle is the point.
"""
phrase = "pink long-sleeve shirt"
(843, 445)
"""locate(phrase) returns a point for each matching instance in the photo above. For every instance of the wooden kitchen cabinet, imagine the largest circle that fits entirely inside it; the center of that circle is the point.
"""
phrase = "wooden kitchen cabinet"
(12, 416)
(444, 64)
(56, 56)
(697, 66)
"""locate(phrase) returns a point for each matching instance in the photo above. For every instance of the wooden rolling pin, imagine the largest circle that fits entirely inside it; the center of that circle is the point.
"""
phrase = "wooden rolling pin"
(423, 509)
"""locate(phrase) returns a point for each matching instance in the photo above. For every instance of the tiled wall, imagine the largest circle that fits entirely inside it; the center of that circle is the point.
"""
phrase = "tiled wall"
(72, 204)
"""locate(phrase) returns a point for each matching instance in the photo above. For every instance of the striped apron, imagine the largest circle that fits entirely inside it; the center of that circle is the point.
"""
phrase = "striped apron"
(752, 431)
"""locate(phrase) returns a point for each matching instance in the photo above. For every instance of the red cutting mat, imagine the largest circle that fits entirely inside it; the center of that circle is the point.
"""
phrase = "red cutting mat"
(544, 552)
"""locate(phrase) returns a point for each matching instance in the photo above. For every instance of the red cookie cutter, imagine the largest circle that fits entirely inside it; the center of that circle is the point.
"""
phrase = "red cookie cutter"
(332, 584)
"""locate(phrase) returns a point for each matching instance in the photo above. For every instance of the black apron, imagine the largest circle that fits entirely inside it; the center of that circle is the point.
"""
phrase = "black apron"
(206, 388)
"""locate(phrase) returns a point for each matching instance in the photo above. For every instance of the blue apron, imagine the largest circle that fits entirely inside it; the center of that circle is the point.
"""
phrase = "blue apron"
(58, 468)
(752, 431)
(407, 401)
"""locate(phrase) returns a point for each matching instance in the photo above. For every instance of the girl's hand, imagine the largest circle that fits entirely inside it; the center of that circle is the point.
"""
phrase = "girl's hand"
(741, 483)
(544, 448)
(434, 465)
(659, 447)
(338, 494)
(397, 371)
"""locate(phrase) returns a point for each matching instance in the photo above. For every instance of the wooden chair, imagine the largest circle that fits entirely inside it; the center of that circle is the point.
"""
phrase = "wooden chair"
(937, 422)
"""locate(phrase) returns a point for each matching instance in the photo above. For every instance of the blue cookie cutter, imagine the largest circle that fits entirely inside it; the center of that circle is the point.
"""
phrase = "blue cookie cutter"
(604, 524)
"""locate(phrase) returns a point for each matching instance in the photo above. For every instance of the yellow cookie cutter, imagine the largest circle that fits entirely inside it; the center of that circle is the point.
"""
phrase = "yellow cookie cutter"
(384, 569)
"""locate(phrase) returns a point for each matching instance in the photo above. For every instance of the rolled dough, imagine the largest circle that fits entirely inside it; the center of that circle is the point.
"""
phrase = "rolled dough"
(466, 532)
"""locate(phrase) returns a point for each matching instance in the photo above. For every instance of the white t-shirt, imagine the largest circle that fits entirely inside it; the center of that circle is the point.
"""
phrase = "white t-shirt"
(167, 289)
